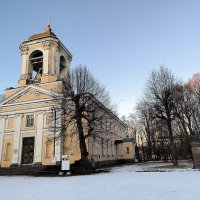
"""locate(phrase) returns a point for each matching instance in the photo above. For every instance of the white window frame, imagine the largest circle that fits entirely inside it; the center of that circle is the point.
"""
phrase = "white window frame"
(26, 120)
(13, 124)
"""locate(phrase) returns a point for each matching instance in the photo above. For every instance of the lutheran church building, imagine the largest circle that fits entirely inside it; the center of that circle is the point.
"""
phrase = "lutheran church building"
(25, 111)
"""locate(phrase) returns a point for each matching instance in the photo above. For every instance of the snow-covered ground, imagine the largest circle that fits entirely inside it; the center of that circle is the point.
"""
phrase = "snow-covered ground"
(161, 182)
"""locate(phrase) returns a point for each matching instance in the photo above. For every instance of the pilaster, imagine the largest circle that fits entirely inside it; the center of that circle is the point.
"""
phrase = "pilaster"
(2, 129)
(58, 61)
(16, 144)
(46, 46)
(58, 144)
(38, 142)
(24, 56)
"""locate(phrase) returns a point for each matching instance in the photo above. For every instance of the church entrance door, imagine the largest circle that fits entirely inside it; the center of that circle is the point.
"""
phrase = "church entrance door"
(28, 150)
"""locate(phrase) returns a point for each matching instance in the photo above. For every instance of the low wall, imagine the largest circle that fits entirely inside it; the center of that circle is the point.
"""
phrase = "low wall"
(110, 163)
(195, 145)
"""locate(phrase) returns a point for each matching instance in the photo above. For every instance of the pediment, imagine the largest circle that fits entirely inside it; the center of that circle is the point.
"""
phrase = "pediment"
(30, 94)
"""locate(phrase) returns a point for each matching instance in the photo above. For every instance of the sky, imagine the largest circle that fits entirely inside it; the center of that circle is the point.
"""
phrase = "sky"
(120, 41)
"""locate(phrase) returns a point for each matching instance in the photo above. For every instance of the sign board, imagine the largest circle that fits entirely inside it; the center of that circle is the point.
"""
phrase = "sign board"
(65, 163)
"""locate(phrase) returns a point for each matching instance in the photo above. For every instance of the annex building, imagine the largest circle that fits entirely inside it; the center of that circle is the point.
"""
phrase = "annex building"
(26, 110)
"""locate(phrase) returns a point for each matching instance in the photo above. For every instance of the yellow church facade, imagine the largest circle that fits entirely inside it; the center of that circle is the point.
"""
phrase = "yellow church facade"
(25, 136)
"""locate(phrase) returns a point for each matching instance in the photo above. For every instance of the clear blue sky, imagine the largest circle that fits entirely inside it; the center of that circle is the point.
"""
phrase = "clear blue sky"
(120, 41)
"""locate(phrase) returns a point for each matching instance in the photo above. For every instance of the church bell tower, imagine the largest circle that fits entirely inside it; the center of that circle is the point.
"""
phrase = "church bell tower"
(44, 59)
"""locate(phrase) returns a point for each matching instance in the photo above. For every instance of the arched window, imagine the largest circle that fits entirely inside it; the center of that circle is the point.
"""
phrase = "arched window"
(63, 67)
(48, 149)
(35, 66)
(8, 151)
(127, 150)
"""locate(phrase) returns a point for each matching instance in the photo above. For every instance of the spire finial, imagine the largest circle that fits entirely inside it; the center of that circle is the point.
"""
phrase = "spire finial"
(49, 21)
(48, 27)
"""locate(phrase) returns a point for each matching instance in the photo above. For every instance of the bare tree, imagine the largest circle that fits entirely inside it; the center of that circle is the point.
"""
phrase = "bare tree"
(86, 108)
(193, 90)
(194, 85)
(169, 114)
(145, 118)
(131, 123)
(163, 94)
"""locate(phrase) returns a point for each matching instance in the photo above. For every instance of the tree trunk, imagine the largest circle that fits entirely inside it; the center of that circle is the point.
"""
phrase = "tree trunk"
(149, 142)
(172, 144)
(82, 144)
(188, 145)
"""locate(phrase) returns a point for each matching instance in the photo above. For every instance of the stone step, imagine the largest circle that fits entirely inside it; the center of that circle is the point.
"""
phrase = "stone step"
(30, 170)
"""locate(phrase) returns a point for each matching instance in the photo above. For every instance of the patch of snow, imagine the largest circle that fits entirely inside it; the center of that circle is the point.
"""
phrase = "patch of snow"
(157, 166)
(122, 183)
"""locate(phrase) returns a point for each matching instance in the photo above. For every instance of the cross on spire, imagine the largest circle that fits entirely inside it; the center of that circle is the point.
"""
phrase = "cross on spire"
(49, 21)
(48, 27)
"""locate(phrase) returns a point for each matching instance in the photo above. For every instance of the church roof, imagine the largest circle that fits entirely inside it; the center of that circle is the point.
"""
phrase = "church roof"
(47, 33)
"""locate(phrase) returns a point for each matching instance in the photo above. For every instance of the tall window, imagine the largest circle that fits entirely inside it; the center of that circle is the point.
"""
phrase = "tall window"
(107, 125)
(48, 149)
(108, 147)
(102, 147)
(127, 150)
(29, 120)
(8, 151)
(114, 147)
(63, 69)
(10, 122)
(111, 147)
(95, 147)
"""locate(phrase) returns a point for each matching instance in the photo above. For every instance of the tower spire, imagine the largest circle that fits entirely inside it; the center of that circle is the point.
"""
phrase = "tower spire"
(48, 27)
(49, 19)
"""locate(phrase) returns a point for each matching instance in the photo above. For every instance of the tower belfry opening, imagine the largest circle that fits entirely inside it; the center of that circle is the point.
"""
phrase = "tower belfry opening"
(35, 66)
(62, 67)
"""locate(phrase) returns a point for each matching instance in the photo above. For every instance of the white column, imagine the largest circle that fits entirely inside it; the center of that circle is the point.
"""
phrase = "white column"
(24, 56)
(2, 129)
(46, 46)
(38, 141)
(58, 137)
(46, 62)
(16, 148)
(24, 63)
(53, 62)
(58, 63)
